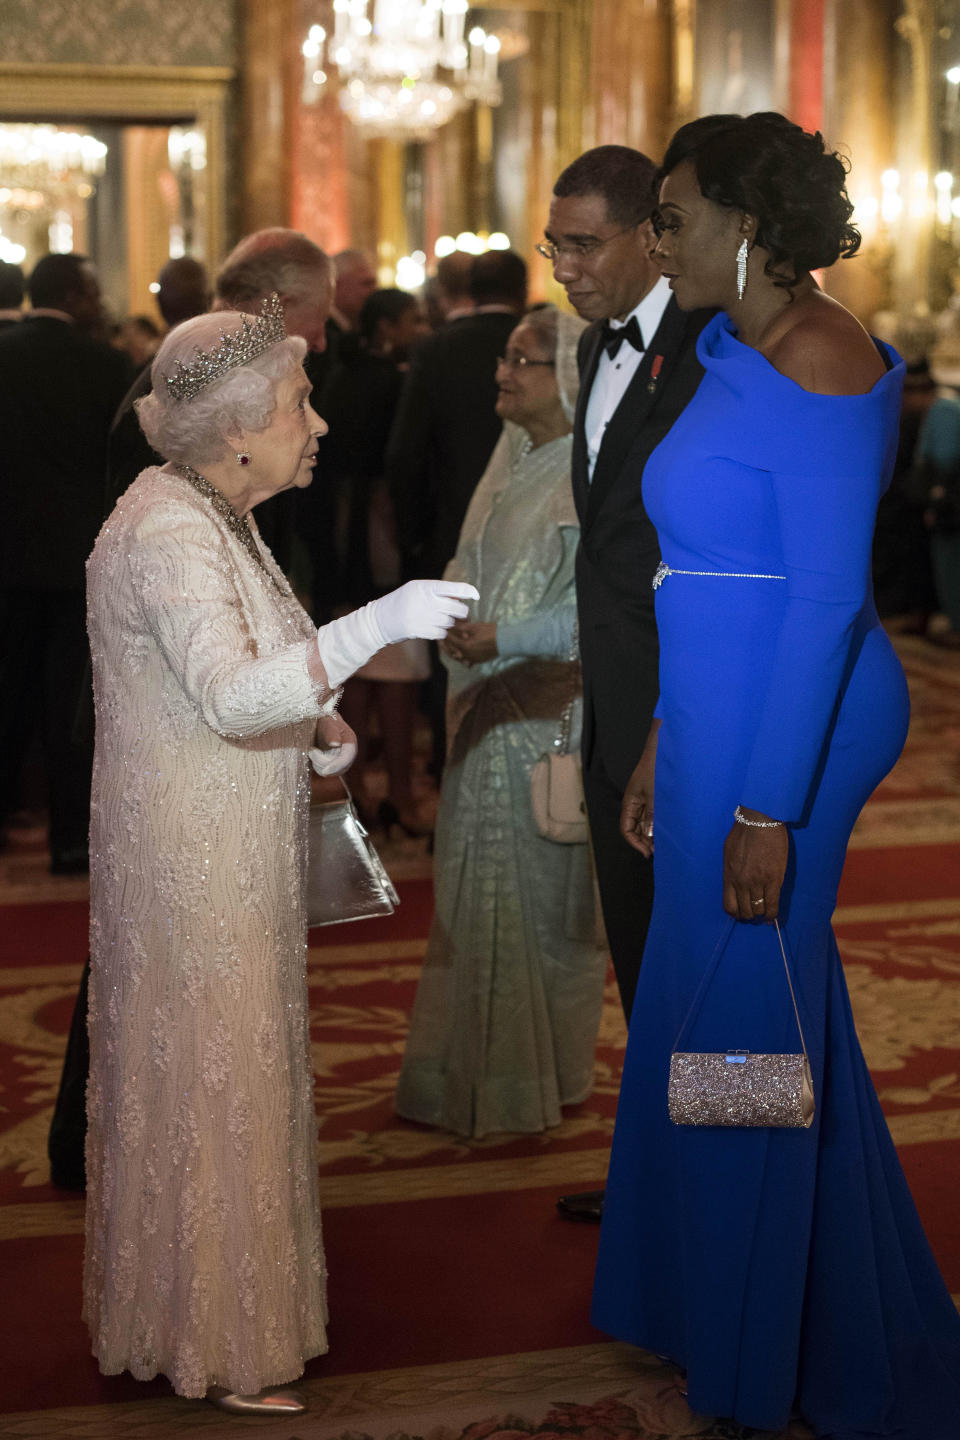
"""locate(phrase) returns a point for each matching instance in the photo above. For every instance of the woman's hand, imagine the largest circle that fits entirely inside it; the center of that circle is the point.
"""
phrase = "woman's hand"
(422, 609)
(335, 746)
(636, 810)
(472, 642)
(754, 864)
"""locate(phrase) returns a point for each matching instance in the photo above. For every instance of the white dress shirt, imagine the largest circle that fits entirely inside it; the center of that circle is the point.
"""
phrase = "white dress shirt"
(613, 376)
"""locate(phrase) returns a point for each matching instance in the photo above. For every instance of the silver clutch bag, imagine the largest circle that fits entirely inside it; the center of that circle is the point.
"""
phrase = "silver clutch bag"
(738, 1087)
(346, 879)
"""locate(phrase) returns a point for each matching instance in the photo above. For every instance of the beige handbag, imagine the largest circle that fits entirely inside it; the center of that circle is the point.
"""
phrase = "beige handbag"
(556, 789)
(556, 785)
(739, 1087)
(346, 879)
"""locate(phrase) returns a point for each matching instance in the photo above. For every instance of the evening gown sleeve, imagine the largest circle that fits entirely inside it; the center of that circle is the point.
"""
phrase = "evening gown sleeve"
(192, 610)
(775, 1265)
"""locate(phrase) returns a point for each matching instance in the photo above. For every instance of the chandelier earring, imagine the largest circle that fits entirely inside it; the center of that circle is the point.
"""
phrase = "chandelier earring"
(742, 254)
(244, 457)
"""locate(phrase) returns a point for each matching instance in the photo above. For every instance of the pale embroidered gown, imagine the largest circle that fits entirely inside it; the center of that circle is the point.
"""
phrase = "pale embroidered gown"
(204, 1258)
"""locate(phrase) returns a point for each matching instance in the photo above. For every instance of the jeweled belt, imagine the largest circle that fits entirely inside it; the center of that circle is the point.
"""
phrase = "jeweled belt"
(663, 570)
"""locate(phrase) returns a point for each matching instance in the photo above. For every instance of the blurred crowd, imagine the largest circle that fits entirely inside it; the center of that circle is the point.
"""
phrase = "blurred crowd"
(916, 552)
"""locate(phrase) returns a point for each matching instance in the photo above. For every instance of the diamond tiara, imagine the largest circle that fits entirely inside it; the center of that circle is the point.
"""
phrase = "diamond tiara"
(235, 347)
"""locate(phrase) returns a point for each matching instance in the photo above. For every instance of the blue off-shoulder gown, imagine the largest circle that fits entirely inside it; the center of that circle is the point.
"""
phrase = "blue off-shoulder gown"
(780, 1267)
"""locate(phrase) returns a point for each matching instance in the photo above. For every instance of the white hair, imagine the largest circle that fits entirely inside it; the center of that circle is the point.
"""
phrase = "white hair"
(193, 431)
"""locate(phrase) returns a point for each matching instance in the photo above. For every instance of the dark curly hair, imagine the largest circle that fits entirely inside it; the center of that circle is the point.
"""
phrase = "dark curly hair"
(766, 166)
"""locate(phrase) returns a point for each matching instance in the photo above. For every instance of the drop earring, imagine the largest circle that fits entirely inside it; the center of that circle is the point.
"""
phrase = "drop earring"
(742, 254)
(243, 458)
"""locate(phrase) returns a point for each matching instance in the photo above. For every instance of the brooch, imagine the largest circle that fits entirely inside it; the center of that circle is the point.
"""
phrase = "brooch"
(654, 372)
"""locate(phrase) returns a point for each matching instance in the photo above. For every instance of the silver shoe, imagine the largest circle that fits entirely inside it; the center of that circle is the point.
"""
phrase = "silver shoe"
(265, 1402)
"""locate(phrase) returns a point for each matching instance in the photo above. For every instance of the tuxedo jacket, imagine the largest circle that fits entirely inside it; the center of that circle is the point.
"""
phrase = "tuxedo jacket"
(58, 393)
(619, 552)
(444, 433)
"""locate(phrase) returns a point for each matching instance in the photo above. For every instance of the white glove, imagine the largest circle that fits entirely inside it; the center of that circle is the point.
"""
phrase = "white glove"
(336, 749)
(421, 609)
(335, 760)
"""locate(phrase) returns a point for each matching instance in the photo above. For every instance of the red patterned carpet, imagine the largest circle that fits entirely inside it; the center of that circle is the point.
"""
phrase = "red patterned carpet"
(457, 1295)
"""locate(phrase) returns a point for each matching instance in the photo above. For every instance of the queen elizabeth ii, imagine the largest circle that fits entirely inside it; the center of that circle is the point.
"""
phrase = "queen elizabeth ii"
(204, 1260)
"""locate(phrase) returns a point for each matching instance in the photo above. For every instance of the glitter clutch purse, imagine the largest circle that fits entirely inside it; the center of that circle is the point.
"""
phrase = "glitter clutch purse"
(346, 879)
(740, 1087)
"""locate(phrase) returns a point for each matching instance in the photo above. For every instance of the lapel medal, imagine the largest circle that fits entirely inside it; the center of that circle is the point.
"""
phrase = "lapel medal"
(654, 372)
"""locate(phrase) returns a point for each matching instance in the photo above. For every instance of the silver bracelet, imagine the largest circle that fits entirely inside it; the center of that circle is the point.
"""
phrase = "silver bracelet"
(741, 819)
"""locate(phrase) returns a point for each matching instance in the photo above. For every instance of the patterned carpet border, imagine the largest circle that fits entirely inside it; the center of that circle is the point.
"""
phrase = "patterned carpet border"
(599, 1392)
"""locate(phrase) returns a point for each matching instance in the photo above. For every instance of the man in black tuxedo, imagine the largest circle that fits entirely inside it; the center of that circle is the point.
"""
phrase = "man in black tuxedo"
(444, 432)
(288, 262)
(446, 424)
(59, 389)
(638, 369)
(356, 280)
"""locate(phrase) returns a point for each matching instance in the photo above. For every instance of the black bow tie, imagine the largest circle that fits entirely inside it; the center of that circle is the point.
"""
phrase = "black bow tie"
(614, 336)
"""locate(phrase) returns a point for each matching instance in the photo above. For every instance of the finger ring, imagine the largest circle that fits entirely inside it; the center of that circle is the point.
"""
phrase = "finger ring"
(757, 903)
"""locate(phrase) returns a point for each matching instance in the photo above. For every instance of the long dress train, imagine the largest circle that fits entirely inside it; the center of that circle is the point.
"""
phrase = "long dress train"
(777, 1266)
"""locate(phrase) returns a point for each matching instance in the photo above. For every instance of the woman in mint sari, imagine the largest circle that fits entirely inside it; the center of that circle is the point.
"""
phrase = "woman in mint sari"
(505, 1021)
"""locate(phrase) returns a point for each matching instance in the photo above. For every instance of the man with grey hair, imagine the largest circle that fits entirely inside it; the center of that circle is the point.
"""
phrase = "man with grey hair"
(356, 279)
(287, 262)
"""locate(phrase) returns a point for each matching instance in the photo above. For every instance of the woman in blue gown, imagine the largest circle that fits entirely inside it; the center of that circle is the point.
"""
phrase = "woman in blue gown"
(778, 1267)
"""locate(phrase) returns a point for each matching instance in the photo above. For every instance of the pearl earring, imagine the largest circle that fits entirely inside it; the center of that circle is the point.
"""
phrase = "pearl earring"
(742, 254)
(243, 458)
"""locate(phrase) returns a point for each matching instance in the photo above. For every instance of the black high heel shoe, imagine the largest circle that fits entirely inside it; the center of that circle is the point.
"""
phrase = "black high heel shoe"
(389, 816)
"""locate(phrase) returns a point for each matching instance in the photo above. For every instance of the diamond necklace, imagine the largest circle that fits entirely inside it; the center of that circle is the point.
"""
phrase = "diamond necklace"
(225, 510)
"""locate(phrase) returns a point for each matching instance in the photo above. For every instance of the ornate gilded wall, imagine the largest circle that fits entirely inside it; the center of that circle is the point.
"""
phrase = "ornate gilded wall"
(119, 32)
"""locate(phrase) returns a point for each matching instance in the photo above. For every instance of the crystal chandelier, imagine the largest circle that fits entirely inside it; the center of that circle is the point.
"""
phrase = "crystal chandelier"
(405, 66)
(41, 157)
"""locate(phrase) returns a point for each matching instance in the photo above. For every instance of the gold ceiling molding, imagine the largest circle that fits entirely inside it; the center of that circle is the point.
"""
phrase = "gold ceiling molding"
(146, 72)
(135, 93)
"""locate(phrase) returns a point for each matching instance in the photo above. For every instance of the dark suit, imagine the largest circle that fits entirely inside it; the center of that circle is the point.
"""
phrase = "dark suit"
(314, 519)
(127, 449)
(616, 560)
(58, 393)
(443, 435)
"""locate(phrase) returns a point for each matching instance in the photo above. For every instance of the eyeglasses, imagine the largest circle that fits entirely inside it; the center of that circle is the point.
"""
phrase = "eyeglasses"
(577, 249)
(520, 362)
